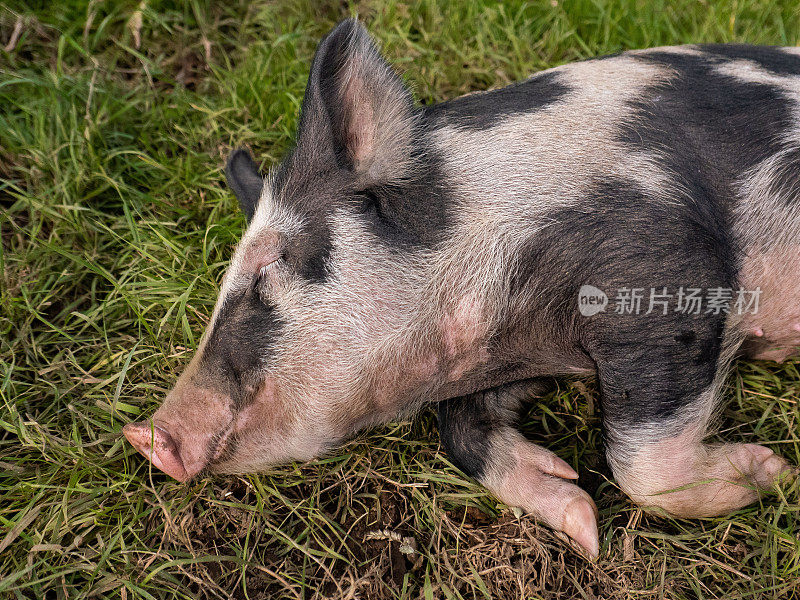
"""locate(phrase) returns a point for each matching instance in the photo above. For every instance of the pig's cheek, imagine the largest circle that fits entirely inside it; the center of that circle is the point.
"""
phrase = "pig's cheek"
(268, 436)
(265, 417)
(248, 419)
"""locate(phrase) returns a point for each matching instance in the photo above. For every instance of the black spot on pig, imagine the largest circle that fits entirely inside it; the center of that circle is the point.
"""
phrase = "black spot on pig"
(308, 250)
(415, 214)
(621, 238)
(483, 110)
(706, 127)
(240, 340)
(772, 58)
(686, 337)
(465, 425)
(310, 253)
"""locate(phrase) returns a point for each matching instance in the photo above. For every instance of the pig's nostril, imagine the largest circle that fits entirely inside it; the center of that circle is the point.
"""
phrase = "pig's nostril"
(157, 445)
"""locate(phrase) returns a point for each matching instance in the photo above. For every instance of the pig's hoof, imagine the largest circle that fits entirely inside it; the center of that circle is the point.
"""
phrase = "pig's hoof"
(687, 480)
(760, 465)
(579, 522)
(567, 508)
(536, 482)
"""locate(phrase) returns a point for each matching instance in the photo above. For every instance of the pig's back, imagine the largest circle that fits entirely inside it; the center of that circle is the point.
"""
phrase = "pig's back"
(712, 125)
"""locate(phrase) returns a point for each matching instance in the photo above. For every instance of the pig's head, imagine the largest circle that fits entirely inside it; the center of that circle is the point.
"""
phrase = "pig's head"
(322, 325)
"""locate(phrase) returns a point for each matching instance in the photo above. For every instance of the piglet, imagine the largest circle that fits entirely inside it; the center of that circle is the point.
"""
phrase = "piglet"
(635, 217)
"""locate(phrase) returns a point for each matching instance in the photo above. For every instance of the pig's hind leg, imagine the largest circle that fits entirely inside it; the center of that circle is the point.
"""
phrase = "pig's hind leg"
(656, 414)
(479, 435)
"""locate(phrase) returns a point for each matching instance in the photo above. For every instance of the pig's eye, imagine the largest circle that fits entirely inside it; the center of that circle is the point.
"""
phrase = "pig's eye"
(268, 272)
(263, 271)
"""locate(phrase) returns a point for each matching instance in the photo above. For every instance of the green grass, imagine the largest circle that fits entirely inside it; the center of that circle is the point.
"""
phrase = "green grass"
(116, 228)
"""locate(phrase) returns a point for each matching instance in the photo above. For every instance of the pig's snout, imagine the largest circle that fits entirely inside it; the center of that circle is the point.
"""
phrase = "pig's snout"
(158, 446)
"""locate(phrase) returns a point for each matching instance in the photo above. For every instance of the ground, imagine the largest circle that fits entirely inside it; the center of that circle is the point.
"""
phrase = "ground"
(115, 120)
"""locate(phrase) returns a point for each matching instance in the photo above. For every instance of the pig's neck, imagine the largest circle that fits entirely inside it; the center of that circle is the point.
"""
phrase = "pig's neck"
(511, 354)
(483, 331)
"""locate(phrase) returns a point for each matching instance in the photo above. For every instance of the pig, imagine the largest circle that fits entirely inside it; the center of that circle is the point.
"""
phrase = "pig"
(403, 255)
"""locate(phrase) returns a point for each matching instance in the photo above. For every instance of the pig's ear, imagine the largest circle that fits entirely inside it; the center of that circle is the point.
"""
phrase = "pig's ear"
(241, 172)
(355, 100)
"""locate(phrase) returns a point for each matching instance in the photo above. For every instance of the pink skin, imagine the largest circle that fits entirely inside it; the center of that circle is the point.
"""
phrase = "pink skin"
(464, 334)
(538, 482)
(155, 444)
(263, 251)
(178, 452)
(774, 328)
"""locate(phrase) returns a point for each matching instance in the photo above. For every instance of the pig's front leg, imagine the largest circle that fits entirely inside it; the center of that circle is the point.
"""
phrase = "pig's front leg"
(479, 435)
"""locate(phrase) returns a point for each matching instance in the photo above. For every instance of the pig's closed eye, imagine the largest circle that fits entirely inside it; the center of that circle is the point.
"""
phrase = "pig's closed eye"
(270, 265)
(267, 271)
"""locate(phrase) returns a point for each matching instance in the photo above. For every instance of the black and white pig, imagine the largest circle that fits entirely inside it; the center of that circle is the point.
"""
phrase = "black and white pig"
(402, 255)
